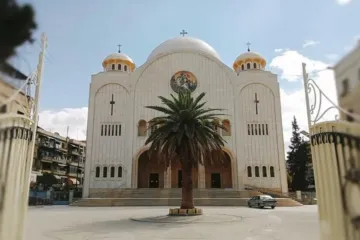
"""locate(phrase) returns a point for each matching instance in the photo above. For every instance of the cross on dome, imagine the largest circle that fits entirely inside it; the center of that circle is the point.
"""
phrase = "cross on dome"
(183, 32)
(119, 45)
(248, 44)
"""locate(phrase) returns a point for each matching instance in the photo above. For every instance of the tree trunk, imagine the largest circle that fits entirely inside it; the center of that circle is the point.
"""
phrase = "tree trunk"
(187, 200)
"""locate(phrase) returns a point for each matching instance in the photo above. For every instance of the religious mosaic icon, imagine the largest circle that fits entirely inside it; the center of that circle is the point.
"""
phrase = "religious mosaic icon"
(183, 81)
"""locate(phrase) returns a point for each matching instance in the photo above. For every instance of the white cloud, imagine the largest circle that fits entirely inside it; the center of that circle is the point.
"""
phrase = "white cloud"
(59, 121)
(293, 103)
(309, 43)
(343, 2)
(277, 50)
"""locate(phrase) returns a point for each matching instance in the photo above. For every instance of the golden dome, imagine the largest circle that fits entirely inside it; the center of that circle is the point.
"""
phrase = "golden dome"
(119, 58)
(249, 57)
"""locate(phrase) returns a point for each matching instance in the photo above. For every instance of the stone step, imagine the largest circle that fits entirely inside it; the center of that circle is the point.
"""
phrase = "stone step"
(107, 202)
(173, 193)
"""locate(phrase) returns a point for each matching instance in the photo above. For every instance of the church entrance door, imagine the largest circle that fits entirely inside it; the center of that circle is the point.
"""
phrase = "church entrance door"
(215, 180)
(179, 179)
(154, 180)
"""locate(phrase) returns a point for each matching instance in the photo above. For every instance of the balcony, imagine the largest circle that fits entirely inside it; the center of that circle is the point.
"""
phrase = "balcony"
(71, 174)
(59, 172)
(46, 144)
(47, 158)
(60, 160)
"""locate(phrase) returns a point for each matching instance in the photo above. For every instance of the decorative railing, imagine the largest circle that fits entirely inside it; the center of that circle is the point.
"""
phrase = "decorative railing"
(336, 157)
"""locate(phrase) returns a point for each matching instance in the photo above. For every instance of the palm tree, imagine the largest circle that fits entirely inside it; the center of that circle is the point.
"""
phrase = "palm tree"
(187, 133)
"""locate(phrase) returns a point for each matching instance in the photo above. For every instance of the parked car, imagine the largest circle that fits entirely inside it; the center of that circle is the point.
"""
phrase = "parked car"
(262, 201)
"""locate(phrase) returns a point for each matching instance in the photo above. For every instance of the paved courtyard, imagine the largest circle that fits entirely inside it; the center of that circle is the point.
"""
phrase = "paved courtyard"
(73, 223)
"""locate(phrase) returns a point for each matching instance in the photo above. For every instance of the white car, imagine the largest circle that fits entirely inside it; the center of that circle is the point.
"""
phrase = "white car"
(262, 201)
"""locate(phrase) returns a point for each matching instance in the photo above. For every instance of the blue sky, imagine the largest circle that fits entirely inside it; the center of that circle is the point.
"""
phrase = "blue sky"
(82, 33)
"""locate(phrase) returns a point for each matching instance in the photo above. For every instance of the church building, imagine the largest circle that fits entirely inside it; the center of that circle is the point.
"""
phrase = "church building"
(118, 122)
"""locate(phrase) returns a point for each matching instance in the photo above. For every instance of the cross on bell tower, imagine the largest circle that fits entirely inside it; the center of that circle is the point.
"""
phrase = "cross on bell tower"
(183, 32)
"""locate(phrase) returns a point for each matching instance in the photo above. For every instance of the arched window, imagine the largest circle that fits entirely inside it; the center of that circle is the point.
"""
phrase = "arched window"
(119, 171)
(112, 172)
(272, 171)
(248, 65)
(227, 130)
(125, 68)
(142, 128)
(242, 67)
(264, 171)
(97, 172)
(249, 172)
(119, 66)
(255, 65)
(257, 173)
(113, 66)
(105, 172)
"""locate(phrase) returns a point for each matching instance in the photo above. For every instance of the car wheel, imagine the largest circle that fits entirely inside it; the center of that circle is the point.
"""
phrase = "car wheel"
(249, 205)
(272, 207)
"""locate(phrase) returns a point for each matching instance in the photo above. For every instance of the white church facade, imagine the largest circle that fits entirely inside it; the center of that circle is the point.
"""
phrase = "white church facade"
(118, 119)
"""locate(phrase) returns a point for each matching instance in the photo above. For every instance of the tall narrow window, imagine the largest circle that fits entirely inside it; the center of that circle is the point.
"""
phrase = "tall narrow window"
(112, 130)
(116, 130)
(105, 172)
(255, 65)
(263, 129)
(227, 130)
(345, 87)
(264, 173)
(252, 129)
(120, 172)
(119, 130)
(349, 117)
(248, 65)
(113, 66)
(249, 172)
(142, 128)
(102, 130)
(249, 129)
(272, 171)
(255, 129)
(105, 132)
(112, 172)
(97, 172)
(259, 125)
(119, 66)
(125, 68)
(257, 172)
(109, 130)
(267, 131)
(242, 67)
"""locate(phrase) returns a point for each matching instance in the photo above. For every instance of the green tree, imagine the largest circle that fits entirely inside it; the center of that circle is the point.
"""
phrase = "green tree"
(16, 26)
(298, 159)
(186, 133)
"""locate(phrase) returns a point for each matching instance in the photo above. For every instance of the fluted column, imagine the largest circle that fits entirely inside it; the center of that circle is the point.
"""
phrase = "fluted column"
(167, 177)
(201, 176)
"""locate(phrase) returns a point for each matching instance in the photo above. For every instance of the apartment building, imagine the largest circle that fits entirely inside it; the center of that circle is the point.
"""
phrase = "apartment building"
(61, 156)
(347, 79)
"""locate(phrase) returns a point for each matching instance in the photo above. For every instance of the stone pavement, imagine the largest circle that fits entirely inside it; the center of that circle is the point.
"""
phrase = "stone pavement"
(106, 223)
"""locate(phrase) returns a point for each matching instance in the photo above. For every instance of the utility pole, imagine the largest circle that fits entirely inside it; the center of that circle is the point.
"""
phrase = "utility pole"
(35, 119)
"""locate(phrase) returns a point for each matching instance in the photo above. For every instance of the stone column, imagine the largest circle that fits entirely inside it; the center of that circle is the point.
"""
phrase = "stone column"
(167, 177)
(201, 176)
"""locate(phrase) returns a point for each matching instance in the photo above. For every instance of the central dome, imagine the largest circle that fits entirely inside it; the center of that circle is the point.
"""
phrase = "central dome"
(184, 44)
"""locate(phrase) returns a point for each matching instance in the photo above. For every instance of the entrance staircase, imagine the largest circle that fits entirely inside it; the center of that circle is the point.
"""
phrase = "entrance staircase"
(166, 197)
